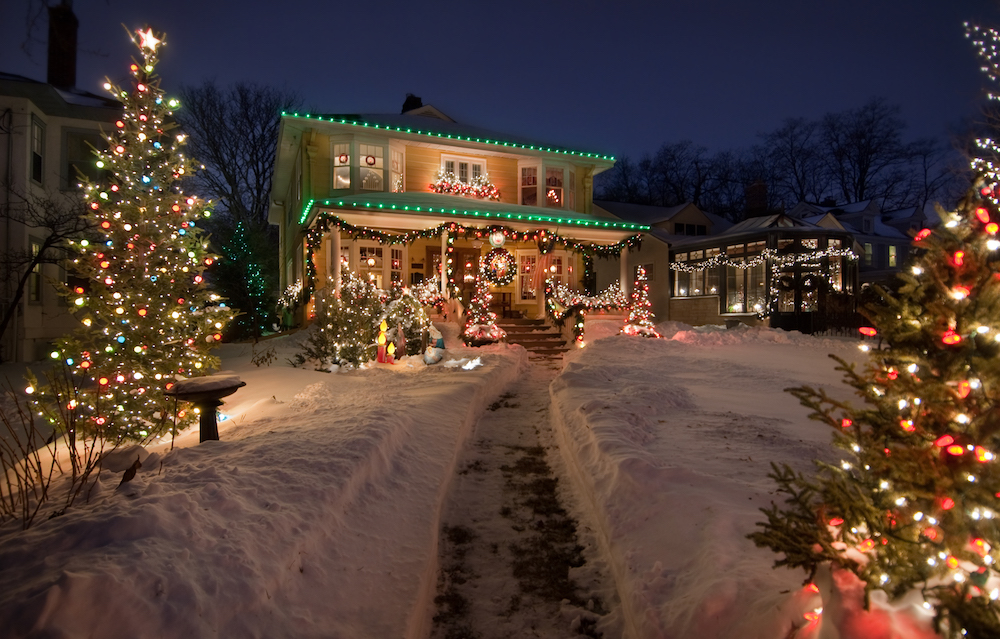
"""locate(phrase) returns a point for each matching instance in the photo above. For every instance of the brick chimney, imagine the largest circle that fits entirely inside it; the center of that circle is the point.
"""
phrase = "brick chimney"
(62, 45)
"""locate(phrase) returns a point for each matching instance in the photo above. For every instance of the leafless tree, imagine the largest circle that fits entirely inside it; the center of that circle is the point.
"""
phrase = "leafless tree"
(53, 219)
(796, 160)
(234, 132)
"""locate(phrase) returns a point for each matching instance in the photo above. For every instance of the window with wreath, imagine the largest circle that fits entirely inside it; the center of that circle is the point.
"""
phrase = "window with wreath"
(527, 263)
(371, 166)
(341, 166)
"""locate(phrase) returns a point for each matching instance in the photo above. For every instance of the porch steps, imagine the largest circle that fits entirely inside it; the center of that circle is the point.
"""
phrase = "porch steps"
(534, 335)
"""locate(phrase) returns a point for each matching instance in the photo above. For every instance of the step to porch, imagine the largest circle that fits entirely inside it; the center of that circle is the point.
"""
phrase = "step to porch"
(535, 335)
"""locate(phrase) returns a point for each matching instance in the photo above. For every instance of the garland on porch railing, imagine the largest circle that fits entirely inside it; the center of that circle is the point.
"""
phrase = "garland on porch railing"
(561, 302)
(778, 262)
(326, 221)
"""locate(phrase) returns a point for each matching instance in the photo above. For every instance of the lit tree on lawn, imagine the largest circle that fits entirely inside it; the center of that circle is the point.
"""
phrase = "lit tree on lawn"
(148, 318)
(640, 315)
(914, 503)
(480, 323)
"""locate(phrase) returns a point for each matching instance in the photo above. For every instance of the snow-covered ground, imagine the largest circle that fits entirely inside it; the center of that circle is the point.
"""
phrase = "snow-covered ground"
(317, 514)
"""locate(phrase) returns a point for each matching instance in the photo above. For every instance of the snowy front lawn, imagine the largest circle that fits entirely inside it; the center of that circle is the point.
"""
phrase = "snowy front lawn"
(670, 442)
(315, 516)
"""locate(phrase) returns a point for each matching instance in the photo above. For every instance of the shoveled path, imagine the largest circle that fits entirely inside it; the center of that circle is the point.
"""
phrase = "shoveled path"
(515, 559)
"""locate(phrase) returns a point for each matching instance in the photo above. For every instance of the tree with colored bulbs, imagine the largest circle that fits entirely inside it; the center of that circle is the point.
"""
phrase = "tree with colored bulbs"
(481, 323)
(914, 503)
(147, 316)
(640, 317)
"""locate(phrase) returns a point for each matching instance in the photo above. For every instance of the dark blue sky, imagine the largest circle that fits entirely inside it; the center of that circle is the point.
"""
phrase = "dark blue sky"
(615, 77)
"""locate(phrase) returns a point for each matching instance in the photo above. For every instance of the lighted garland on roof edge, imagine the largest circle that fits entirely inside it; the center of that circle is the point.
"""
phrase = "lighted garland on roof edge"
(327, 221)
(778, 262)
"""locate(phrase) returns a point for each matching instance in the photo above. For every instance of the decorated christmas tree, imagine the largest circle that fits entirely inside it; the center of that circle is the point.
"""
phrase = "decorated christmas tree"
(147, 316)
(640, 315)
(481, 323)
(345, 327)
(913, 504)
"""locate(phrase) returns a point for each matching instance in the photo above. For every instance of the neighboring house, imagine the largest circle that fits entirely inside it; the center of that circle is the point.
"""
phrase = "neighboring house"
(667, 225)
(884, 243)
(795, 274)
(371, 192)
(47, 131)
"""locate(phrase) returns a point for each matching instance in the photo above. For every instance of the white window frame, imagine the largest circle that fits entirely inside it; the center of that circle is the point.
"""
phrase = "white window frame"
(561, 187)
(378, 168)
(470, 163)
(338, 148)
(539, 181)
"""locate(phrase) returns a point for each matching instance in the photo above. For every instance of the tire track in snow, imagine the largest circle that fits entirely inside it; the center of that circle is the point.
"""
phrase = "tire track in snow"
(513, 561)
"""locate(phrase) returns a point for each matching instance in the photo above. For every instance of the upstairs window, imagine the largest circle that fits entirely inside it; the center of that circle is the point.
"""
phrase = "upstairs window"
(371, 163)
(341, 166)
(571, 192)
(80, 162)
(465, 169)
(529, 186)
(892, 256)
(396, 171)
(37, 150)
(554, 187)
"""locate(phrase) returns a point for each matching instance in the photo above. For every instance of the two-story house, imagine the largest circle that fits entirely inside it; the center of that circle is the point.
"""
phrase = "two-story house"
(417, 197)
(48, 131)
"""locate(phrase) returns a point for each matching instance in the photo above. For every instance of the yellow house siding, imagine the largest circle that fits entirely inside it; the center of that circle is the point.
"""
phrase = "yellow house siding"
(422, 165)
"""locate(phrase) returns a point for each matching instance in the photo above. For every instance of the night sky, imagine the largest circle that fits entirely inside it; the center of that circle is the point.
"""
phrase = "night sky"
(615, 77)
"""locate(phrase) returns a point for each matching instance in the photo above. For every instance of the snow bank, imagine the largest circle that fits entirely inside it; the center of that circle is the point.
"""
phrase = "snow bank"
(315, 516)
(670, 441)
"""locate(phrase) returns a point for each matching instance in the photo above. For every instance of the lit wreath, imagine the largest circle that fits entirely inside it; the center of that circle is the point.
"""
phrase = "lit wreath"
(370, 160)
(499, 267)
(343, 158)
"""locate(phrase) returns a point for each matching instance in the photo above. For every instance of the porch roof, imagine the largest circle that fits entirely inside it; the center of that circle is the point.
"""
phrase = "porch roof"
(435, 205)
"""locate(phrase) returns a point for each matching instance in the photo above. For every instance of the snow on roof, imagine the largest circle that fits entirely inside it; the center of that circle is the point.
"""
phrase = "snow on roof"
(641, 213)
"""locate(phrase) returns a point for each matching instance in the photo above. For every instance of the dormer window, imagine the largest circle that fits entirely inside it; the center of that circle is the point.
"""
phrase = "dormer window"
(341, 166)
(465, 169)
(554, 187)
(370, 161)
(529, 186)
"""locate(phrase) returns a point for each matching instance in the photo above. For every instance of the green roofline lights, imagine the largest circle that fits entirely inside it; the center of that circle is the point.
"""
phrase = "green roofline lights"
(449, 136)
(501, 215)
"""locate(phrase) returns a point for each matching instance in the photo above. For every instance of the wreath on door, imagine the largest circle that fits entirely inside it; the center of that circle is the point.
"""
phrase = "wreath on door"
(499, 267)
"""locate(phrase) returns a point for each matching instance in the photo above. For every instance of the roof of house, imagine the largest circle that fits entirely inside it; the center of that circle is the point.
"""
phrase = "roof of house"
(451, 205)
(427, 123)
(69, 103)
(641, 213)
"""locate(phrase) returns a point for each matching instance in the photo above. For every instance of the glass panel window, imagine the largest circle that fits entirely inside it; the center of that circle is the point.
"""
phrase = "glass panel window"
(756, 291)
(37, 150)
(698, 282)
(396, 264)
(837, 274)
(868, 254)
(697, 255)
(527, 261)
(341, 166)
(712, 281)
(529, 186)
(396, 169)
(682, 283)
(370, 263)
(371, 164)
(712, 252)
(553, 187)
(682, 257)
(35, 277)
(833, 243)
(892, 255)
(735, 289)
(80, 160)
(756, 247)
(734, 249)
(810, 243)
(463, 172)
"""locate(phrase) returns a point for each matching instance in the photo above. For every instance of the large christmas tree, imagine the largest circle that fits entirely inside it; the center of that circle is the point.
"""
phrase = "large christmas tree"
(147, 316)
(913, 504)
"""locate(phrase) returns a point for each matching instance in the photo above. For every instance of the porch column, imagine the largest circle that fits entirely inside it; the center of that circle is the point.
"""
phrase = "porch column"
(445, 292)
(335, 261)
(623, 272)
